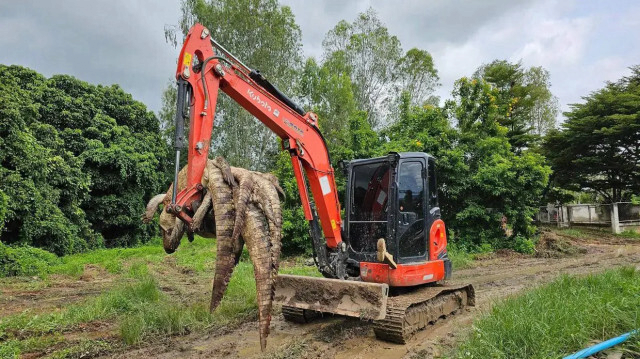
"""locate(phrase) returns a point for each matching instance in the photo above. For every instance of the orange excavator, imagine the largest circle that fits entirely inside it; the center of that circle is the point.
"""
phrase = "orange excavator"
(386, 261)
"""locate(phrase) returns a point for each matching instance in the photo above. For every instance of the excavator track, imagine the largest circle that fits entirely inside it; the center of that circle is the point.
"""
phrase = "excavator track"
(298, 315)
(411, 312)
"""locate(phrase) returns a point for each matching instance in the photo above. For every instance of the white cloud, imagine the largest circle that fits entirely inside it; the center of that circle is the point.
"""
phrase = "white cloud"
(561, 41)
(581, 43)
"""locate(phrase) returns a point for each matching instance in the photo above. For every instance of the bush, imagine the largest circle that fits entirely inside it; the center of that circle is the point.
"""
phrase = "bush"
(523, 245)
(77, 163)
(25, 260)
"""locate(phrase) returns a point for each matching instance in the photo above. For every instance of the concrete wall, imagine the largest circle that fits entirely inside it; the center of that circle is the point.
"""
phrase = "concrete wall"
(618, 216)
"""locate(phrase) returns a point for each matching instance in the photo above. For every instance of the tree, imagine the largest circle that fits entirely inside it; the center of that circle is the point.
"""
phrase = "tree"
(479, 177)
(416, 75)
(365, 51)
(498, 181)
(330, 95)
(265, 36)
(78, 162)
(526, 106)
(597, 147)
(167, 114)
(3, 209)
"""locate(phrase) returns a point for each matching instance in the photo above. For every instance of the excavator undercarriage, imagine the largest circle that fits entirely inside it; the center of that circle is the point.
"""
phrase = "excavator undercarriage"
(396, 316)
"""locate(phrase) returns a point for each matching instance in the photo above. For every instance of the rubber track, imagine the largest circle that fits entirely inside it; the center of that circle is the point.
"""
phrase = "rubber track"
(411, 312)
(297, 315)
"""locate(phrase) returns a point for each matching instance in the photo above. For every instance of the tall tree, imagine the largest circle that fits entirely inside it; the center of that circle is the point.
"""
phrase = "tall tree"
(265, 36)
(598, 146)
(526, 106)
(379, 70)
(492, 180)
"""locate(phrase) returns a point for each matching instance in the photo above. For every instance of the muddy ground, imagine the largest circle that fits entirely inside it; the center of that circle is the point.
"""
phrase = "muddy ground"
(495, 276)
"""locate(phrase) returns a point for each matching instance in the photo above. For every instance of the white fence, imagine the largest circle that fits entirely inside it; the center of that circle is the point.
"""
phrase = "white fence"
(618, 216)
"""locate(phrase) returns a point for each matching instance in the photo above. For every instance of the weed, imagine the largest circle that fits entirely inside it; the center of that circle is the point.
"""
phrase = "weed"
(83, 349)
(571, 232)
(629, 234)
(307, 271)
(558, 318)
(460, 259)
(295, 349)
(107, 305)
(524, 245)
(164, 319)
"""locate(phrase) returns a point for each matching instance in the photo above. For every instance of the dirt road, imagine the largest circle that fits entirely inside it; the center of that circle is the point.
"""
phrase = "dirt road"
(494, 278)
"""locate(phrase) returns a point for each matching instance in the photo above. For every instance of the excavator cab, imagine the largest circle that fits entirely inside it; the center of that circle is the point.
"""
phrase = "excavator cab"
(394, 198)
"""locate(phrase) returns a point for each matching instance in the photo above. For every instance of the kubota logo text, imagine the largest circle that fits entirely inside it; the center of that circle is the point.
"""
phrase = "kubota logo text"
(260, 101)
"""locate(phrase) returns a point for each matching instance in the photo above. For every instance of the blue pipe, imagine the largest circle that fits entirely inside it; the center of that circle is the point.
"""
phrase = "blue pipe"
(601, 346)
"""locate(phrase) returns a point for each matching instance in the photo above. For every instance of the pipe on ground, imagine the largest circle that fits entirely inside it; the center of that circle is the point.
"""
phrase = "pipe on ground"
(601, 346)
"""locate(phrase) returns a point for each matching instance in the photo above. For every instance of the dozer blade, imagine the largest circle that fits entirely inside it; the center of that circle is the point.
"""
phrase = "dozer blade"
(354, 299)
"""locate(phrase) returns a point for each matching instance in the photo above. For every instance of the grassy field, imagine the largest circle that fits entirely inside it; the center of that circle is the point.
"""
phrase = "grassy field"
(115, 300)
(559, 318)
(152, 295)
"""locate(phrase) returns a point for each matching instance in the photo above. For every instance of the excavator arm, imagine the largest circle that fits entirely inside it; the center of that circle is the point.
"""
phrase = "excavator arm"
(205, 68)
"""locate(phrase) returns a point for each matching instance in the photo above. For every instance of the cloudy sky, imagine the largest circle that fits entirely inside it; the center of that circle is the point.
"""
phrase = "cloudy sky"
(582, 43)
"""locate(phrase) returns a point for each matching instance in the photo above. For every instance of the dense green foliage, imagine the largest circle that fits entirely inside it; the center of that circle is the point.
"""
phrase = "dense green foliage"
(598, 148)
(77, 162)
(559, 318)
(24, 260)
(3, 209)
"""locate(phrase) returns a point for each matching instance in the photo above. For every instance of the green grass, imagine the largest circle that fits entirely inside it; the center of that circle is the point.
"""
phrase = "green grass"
(13, 347)
(597, 232)
(122, 299)
(136, 306)
(173, 318)
(629, 234)
(571, 232)
(110, 259)
(460, 259)
(198, 256)
(559, 318)
(86, 348)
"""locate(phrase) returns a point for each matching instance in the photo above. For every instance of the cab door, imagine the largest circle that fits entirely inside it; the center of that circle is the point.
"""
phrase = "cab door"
(411, 204)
